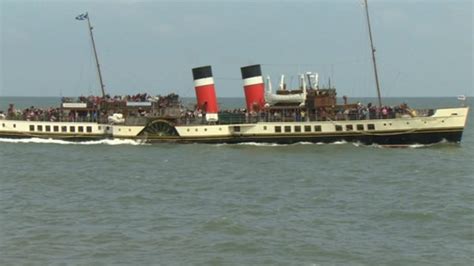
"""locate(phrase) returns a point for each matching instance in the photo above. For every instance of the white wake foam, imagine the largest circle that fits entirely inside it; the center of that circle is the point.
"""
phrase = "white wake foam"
(64, 142)
(410, 146)
(261, 144)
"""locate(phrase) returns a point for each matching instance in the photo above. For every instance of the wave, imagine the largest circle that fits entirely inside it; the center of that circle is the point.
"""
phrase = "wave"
(260, 144)
(356, 144)
(408, 146)
(254, 144)
(64, 142)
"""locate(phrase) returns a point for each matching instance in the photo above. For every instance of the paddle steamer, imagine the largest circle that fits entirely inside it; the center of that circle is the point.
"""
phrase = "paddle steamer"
(309, 113)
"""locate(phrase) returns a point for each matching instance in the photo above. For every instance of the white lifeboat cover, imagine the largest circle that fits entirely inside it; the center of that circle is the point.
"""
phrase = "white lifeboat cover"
(116, 118)
(272, 98)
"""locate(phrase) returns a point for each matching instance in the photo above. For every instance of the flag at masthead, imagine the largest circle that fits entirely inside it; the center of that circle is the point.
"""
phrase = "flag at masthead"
(85, 16)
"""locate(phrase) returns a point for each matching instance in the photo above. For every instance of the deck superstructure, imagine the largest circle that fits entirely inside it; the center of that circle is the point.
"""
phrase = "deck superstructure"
(308, 113)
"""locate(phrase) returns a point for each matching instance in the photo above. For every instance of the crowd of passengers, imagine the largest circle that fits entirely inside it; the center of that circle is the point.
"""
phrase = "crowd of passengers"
(33, 113)
(196, 114)
(93, 114)
(361, 112)
(358, 112)
(140, 97)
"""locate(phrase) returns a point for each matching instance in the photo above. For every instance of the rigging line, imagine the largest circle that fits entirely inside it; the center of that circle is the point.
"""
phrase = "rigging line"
(339, 62)
(90, 81)
(372, 48)
(95, 55)
(348, 61)
(81, 72)
(226, 78)
(86, 67)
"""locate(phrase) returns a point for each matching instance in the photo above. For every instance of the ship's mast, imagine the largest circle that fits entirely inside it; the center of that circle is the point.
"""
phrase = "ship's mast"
(102, 86)
(373, 54)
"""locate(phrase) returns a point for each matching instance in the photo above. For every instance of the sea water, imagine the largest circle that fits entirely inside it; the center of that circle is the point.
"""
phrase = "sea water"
(125, 202)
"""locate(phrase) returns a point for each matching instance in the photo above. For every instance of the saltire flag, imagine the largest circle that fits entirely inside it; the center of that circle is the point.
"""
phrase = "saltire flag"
(82, 16)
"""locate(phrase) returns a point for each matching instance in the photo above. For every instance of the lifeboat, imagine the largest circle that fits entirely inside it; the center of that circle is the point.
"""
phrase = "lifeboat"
(116, 118)
(297, 96)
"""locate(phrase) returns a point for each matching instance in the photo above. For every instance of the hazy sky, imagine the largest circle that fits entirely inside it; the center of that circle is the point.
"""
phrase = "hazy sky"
(424, 48)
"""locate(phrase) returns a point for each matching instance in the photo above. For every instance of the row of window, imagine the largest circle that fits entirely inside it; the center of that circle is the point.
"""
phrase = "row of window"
(196, 129)
(63, 129)
(3, 125)
(317, 128)
(308, 128)
(72, 129)
(296, 129)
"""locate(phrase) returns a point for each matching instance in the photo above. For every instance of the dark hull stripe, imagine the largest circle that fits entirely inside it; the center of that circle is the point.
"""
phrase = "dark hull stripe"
(400, 139)
(393, 139)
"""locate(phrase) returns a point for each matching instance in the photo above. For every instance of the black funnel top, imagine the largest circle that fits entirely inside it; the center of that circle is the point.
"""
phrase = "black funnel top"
(202, 72)
(251, 71)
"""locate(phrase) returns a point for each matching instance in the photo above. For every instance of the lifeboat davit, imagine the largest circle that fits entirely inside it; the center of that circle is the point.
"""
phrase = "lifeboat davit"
(284, 96)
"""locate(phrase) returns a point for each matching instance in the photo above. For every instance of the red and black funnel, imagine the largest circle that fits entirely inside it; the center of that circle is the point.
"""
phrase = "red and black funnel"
(254, 87)
(205, 91)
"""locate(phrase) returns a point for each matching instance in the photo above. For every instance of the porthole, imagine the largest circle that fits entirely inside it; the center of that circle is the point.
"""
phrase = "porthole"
(14, 125)
(196, 129)
(188, 129)
(220, 129)
(205, 129)
(264, 127)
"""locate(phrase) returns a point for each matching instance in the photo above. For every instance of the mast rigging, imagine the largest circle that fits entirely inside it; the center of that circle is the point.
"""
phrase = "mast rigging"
(86, 16)
(373, 55)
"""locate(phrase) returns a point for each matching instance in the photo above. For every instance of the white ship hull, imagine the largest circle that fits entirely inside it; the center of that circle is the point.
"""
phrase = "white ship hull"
(444, 124)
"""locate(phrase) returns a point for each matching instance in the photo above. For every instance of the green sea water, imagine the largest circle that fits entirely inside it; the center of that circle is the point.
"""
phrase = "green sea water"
(121, 202)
